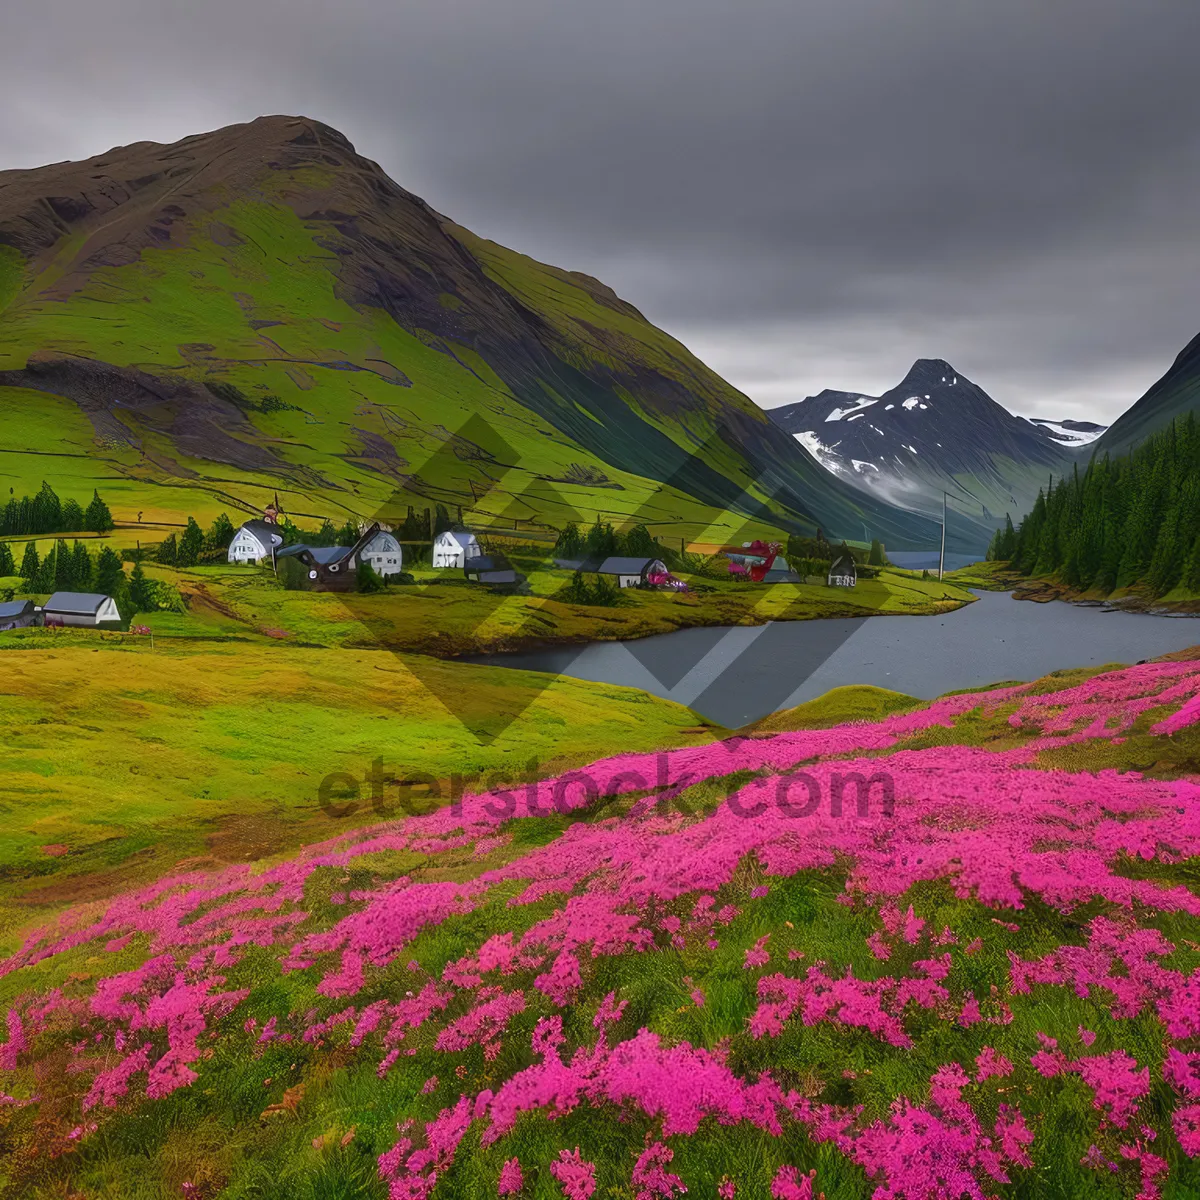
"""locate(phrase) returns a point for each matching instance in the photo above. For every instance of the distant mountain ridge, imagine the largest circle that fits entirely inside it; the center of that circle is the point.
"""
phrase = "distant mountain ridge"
(1173, 396)
(935, 431)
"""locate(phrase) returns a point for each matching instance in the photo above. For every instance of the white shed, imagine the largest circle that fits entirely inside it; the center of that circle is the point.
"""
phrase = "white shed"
(843, 572)
(454, 547)
(255, 541)
(384, 553)
(80, 608)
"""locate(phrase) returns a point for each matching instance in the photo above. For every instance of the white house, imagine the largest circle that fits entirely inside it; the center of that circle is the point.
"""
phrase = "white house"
(454, 547)
(255, 541)
(80, 608)
(631, 572)
(843, 572)
(384, 553)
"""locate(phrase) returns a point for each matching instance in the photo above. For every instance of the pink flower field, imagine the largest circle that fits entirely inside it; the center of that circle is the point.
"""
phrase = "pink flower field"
(952, 953)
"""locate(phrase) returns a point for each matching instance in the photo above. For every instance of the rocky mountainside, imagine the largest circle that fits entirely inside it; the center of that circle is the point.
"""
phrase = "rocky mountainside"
(1173, 396)
(935, 431)
(262, 309)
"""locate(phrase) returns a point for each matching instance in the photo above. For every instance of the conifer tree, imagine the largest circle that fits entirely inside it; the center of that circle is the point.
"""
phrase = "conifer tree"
(220, 533)
(190, 545)
(81, 568)
(110, 574)
(30, 565)
(64, 563)
(7, 566)
(141, 594)
(72, 517)
(97, 518)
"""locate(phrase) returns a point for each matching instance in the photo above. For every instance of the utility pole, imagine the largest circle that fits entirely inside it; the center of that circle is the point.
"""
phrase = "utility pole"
(942, 558)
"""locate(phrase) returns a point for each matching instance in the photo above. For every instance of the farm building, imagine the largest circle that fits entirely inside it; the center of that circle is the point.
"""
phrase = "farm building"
(631, 571)
(81, 608)
(454, 547)
(335, 568)
(255, 542)
(384, 553)
(485, 568)
(17, 614)
(843, 572)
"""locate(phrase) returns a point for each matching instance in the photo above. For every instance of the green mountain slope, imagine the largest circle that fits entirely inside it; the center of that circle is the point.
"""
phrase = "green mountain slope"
(1173, 396)
(261, 310)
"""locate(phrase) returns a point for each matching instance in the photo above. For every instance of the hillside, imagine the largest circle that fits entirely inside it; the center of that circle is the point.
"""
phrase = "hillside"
(935, 431)
(1174, 395)
(260, 310)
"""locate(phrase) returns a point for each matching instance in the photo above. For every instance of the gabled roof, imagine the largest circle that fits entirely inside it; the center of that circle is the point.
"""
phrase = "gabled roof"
(81, 603)
(624, 565)
(843, 565)
(461, 536)
(264, 531)
(15, 608)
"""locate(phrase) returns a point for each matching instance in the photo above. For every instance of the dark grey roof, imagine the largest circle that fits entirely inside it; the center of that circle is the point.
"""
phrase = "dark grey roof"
(86, 603)
(15, 608)
(321, 554)
(264, 531)
(624, 565)
(590, 565)
(487, 562)
(843, 565)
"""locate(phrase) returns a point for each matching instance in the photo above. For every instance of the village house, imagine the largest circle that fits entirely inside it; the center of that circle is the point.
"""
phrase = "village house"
(335, 568)
(631, 571)
(257, 541)
(81, 608)
(453, 547)
(843, 572)
(17, 614)
(494, 569)
(384, 554)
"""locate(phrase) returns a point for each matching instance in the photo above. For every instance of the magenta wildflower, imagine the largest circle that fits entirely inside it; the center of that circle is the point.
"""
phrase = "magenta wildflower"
(576, 1177)
(511, 1180)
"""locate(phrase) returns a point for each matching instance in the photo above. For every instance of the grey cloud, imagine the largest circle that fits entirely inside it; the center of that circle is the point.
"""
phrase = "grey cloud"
(808, 193)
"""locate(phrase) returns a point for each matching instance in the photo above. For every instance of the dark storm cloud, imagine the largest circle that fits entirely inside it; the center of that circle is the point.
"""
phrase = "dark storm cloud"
(808, 193)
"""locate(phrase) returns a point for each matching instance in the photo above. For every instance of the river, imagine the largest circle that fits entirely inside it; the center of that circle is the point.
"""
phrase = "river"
(734, 675)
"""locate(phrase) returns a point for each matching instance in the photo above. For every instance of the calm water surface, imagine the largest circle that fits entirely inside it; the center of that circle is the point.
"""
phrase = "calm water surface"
(735, 675)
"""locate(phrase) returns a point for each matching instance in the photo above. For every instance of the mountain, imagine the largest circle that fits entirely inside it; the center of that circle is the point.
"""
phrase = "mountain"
(1175, 395)
(935, 431)
(260, 309)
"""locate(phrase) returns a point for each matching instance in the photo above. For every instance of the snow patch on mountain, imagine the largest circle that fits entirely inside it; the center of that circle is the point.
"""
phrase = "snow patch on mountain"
(1069, 433)
(862, 402)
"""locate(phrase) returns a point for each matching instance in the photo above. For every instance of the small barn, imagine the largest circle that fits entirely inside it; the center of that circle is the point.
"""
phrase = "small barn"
(88, 609)
(17, 614)
(488, 568)
(334, 568)
(843, 572)
(454, 547)
(255, 542)
(384, 553)
(631, 571)
(325, 568)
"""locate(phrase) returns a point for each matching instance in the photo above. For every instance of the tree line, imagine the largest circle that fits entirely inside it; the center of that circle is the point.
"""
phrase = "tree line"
(1123, 522)
(46, 513)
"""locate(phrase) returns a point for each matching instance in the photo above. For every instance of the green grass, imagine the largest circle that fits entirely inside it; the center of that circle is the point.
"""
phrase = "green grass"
(135, 760)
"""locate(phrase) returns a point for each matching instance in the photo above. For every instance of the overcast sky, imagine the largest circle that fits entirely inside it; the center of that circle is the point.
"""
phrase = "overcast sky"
(809, 193)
